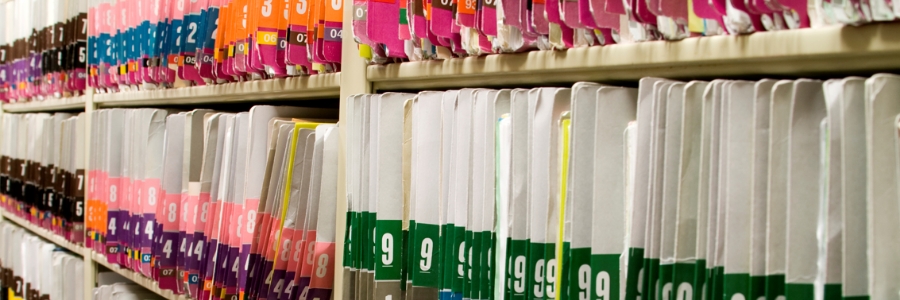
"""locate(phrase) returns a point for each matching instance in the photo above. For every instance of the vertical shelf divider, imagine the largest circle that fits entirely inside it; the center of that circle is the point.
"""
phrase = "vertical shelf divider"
(90, 266)
(353, 81)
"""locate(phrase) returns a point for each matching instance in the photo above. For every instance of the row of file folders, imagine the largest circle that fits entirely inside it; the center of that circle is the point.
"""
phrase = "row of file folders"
(207, 203)
(161, 43)
(60, 47)
(769, 189)
(31, 268)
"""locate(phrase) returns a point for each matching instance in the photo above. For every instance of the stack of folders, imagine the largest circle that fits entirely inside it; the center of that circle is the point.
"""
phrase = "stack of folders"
(42, 163)
(151, 44)
(215, 204)
(672, 190)
(42, 48)
(440, 29)
(31, 268)
(163, 43)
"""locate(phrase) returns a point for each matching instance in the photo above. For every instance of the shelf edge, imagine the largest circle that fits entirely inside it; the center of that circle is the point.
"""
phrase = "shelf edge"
(49, 105)
(292, 88)
(803, 52)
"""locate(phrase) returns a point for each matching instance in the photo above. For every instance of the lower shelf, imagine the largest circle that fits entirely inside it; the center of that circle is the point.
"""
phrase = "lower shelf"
(46, 234)
(90, 255)
(139, 279)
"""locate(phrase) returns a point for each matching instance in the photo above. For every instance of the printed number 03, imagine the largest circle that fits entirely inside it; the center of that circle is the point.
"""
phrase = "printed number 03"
(251, 221)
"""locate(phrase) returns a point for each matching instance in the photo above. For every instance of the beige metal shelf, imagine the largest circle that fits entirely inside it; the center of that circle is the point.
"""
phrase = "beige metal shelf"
(48, 105)
(139, 279)
(293, 88)
(820, 51)
(45, 234)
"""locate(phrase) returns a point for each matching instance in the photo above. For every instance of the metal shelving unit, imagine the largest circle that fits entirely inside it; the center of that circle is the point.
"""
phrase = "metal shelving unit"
(837, 50)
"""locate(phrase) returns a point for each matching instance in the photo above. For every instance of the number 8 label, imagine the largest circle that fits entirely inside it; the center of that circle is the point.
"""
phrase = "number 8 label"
(324, 269)
(151, 196)
(322, 266)
(113, 194)
(286, 250)
(251, 221)
(173, 212)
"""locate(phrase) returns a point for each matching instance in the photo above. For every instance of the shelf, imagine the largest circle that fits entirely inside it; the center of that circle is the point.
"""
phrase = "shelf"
(835, 50)
(293, 88)
(48, 105)
(44, 233)
(139, 279)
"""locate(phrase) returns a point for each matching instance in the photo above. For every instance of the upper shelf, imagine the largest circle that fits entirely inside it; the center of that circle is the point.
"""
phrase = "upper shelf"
(48, 105)
(303, 87)
(819, 51)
